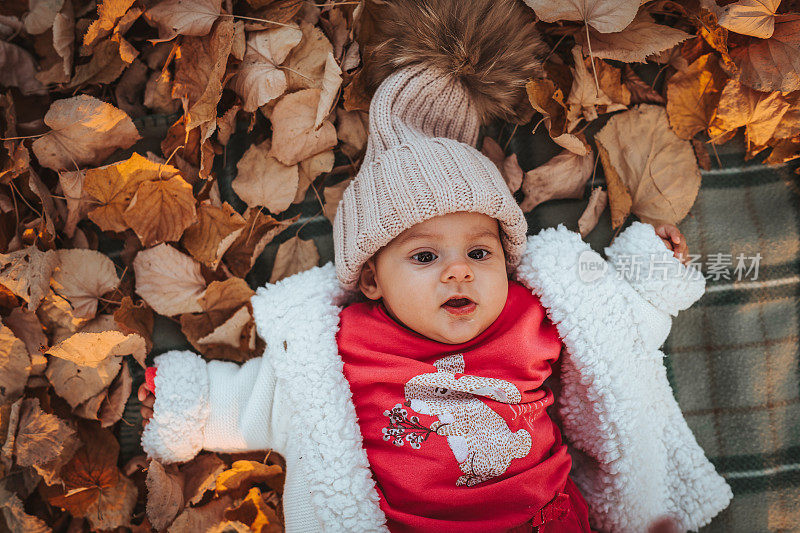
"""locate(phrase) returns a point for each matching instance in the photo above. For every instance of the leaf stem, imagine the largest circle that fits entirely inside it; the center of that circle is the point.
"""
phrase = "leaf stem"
(591, 58)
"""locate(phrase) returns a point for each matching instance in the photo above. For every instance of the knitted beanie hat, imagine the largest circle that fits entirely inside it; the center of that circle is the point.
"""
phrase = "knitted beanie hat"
(424, 121)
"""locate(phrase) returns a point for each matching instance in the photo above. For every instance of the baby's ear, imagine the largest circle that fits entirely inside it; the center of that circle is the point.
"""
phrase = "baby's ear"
(367, 280)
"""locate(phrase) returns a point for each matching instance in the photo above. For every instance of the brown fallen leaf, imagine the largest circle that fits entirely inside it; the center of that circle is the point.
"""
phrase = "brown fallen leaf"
(41, 15)
(27, 272)
(216, 229)
(26, 327)
(114, 505)
(225, 329)
(351, 128)
(649, 166)
(563, 176)
(262, 180)
(305, 66)
(82, 277)
(91, 471)
(164, 494)
(77, 199)
(260, 79)
(333, 195)
(548, 100)
(331, 82)
(642, 38)
(199, 74)
(109, 12)
(750, 17)
(19, 69)
(158, 93)
(508, 166)
(226, 125)
(259, 231)
(161, 210)
(41, 437)
(135, 318)
(605, 16)
(113, 406)
(772, 64)
(255, 514)
(84, 130)
(759, 112)
(201, 518)
(200, 476)
(184, 17)
(243, 474)
(598, 201)
(641, 92)
(294, 137)
(584, 97)
(15, 365)
(309, 169)
(693, 96)
(169, 281)
(92, 349)
(294, 255)
(114, 186)
(16, 518)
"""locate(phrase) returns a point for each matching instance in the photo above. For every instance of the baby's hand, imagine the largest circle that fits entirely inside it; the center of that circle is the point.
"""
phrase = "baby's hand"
(147, 397)
(674, 240)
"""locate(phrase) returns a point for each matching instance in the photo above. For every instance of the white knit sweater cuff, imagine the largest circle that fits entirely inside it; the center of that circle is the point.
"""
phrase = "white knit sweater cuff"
(175, 433)
(642, 258)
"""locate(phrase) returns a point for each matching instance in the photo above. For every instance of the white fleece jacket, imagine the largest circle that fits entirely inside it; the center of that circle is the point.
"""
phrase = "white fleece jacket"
(635, 459)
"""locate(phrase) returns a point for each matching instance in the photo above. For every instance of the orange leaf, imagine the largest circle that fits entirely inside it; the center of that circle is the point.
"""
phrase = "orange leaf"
(161, 210)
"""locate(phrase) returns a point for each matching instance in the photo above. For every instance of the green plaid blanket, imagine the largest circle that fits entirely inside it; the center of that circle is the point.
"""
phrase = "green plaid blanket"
(732, 358)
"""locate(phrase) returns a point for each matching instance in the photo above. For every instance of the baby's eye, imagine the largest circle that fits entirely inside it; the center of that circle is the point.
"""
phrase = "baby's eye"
(423, 257)
(480, 253)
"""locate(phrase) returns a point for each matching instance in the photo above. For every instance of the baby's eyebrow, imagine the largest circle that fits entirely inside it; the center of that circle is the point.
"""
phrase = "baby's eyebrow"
(413, 236)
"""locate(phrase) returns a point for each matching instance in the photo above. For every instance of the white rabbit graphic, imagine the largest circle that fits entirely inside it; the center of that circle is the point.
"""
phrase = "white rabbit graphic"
(480, 439)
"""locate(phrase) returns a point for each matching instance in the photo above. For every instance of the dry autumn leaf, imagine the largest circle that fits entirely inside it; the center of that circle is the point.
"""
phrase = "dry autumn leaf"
(772, 64)
(164, 494)
(294, 137)
(200, 476)
(254, 513)
(27, 272)
(548, 100)
(295, 255)
(216, 229)
(759, 112)
(245, 473)
(161, 210)
(82, 277)
(92, 349)
(114, 186)
(169, 281)
(605, 16)
(640, 39)
(260, 79)
(309, 169)
(508, 166)
(184, 17)
(598, 201)
(750, 17)
(563, 176)
(693, 95)
(650, 171)
(84, 130)
(15, 365)
(41, 436)
(262, 180)
(259, 231)
(19, 69)
(201, 518)
(331, 82)
(305, 66)
(333, 195)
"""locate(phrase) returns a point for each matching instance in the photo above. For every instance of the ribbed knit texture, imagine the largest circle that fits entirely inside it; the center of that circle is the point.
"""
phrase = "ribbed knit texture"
(420, 163)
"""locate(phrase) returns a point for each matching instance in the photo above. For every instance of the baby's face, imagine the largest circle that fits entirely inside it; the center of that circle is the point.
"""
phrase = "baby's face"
(444, 278)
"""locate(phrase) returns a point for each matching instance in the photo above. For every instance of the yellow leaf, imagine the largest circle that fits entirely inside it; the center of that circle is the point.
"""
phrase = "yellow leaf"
(114, 186)
(693, 95)
(214, 232)
(759, 112)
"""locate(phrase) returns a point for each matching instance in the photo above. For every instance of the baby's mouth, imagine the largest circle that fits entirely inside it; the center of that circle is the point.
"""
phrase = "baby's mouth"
(459, 306)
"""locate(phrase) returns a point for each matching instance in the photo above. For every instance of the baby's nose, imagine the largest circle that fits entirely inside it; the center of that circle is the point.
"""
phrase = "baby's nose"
(457, 271)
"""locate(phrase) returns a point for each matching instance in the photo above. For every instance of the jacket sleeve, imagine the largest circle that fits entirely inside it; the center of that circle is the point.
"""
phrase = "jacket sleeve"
(641, 258)
(215, 405)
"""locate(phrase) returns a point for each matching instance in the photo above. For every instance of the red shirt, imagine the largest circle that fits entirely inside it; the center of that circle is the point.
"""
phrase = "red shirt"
(457, 435)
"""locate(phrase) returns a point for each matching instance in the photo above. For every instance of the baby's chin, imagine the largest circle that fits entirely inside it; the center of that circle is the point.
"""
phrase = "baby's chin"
(458, 332)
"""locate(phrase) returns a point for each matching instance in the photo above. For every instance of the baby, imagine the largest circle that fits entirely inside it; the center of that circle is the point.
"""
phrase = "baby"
(423, 407)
